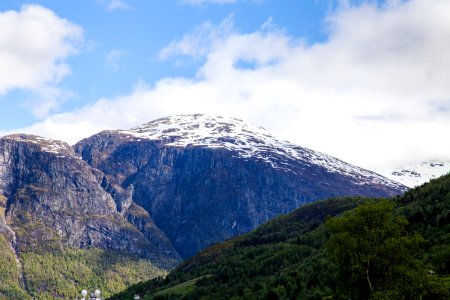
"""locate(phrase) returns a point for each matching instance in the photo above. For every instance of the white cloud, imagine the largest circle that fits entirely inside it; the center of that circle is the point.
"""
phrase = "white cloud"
(114, 57)
(117, 5)
(34, 44)
(200, 42)
(376, 94)
(44, 100)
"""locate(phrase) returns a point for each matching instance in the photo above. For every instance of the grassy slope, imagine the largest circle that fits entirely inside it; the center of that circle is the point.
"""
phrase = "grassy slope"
(286, 257)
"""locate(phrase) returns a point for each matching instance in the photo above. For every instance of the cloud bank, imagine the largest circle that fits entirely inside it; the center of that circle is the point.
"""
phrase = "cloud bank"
(34, 44)
(376, 93)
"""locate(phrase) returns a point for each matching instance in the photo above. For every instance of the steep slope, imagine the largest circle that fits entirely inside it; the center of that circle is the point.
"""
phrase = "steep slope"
(415, 174)
(52, 202)
(286, 257)
(205, 179)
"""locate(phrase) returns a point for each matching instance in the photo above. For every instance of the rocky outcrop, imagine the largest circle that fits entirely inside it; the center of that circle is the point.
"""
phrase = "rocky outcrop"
(203, 180)
(53, 199)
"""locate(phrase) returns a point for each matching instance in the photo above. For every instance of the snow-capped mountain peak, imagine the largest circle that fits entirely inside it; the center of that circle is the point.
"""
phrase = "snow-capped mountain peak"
(246, 141)
(202, 130)
(415, 174)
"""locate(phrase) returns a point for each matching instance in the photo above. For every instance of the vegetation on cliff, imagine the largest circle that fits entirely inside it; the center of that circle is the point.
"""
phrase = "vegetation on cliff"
(9, 274)
(62, 275)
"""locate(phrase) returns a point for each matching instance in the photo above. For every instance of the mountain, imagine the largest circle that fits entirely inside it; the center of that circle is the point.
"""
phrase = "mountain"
(128, 205)
(287, 257)
(415, 174)
(205, 179)
(52, 204)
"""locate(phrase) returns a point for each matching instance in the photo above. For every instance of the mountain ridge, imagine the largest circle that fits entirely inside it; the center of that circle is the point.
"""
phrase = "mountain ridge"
(190, 168)
(152, 195)
(246, 139)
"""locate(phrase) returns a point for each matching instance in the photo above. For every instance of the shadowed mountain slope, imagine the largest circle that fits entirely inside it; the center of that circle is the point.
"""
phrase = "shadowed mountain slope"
(205, 179)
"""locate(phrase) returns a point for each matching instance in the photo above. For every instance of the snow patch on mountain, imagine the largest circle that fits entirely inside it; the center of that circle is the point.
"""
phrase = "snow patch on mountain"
(415, 174)
(46, 145)
(247, 141)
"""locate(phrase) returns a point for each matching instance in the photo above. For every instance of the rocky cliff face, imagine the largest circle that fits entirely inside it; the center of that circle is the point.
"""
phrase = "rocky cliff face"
(52, 199)
(164, 190)
(205, 179)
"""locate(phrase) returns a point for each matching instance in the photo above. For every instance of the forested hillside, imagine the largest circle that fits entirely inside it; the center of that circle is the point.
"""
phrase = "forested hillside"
(293, 257)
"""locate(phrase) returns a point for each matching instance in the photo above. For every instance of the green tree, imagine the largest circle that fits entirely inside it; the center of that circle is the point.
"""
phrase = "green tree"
(376, 256)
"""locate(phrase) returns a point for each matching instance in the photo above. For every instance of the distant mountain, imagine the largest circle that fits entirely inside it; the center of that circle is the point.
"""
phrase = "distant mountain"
(205, 179)
(286, 258)
(415, 174)
(127, 205)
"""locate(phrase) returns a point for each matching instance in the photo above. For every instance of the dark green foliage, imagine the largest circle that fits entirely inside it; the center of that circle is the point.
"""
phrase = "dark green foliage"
(284, 258)
(377, 258)
(427, 208)
(287, 258)
(9, 276)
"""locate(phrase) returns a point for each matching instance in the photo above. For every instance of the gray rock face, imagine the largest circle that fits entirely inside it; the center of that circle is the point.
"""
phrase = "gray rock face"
(164, 190)
(203, 180)
(54, 199)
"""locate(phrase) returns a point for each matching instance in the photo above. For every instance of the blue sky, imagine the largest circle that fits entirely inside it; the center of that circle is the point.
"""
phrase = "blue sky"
(365, 81)
(122, 40)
